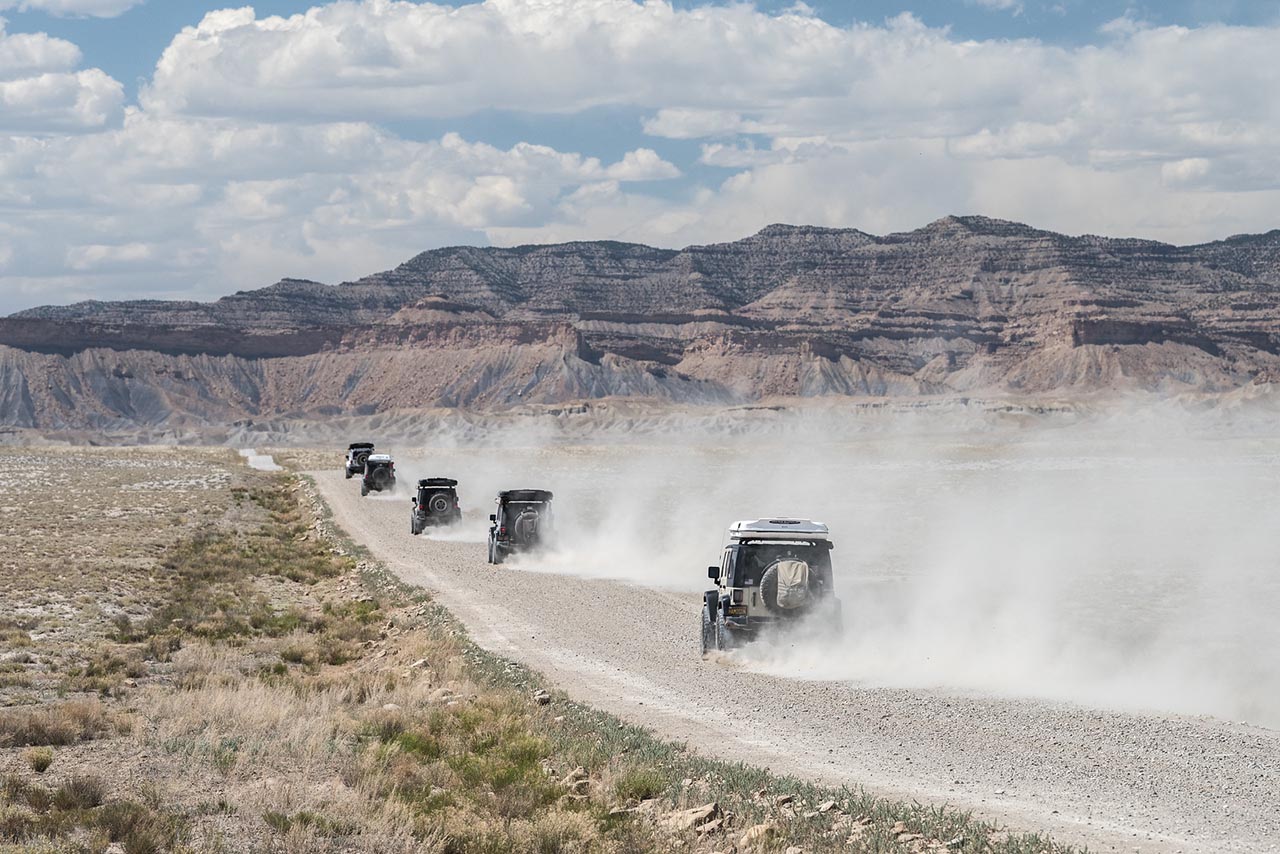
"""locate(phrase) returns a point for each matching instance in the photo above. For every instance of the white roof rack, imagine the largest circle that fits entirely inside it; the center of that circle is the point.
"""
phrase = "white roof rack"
(379, 458)
(778, 529)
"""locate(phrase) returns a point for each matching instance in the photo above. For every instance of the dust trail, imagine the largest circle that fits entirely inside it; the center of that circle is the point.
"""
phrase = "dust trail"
(1125, 563)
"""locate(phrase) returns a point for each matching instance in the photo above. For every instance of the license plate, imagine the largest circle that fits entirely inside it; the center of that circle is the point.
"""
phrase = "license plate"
(736, 611)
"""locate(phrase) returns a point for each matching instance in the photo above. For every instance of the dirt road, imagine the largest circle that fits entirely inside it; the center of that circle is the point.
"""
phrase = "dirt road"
(1113, 781)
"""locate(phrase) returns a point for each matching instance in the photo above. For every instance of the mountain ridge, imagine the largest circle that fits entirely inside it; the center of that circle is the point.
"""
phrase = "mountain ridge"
(963, 304)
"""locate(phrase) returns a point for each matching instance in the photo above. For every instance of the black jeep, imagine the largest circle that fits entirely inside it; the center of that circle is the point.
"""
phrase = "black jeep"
(522, 522)
(357, 454)
(379, 474)
(435, 504)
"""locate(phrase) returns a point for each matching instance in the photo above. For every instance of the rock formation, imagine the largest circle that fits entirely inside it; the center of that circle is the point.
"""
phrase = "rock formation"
(964, 305)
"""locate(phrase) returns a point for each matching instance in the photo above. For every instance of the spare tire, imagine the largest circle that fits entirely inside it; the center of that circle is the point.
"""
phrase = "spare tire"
(361, 458)
(526, 527)
(380, 476)
(439, 504)
(769, 590)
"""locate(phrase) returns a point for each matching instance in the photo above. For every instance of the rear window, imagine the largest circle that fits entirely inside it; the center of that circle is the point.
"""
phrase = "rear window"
(754, 559)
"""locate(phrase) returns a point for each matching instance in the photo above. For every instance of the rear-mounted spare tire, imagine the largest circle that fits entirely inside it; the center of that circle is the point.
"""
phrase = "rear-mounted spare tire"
(439, 504)
(769, 591)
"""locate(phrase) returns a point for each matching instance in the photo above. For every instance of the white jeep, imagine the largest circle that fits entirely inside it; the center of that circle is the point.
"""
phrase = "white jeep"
(772, 573)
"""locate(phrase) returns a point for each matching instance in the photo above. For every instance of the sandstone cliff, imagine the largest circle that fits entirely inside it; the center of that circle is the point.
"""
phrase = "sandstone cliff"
(966, 304)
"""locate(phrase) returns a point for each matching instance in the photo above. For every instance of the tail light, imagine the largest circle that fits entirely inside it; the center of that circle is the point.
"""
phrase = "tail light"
(737, 597)
(502, 531)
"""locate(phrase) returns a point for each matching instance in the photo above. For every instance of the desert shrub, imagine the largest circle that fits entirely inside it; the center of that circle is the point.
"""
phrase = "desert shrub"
(140, 829)
(640, 784)
(69, 723)
(79, 793)
(39, 758)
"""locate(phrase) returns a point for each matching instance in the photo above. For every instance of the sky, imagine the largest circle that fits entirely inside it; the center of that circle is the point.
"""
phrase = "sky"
(189, 149)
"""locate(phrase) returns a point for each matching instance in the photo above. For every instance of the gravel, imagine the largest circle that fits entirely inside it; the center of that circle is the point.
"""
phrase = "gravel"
(1112, 781)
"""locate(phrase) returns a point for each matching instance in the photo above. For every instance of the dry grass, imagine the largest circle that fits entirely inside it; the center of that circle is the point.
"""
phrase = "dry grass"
(59, 725)
(248, 681)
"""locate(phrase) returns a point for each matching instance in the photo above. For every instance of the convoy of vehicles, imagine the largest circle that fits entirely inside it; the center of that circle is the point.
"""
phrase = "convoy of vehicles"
(773, 573)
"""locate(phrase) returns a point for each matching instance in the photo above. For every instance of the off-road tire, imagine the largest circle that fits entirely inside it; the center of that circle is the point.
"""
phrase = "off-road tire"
(414, 528)
(439, 504)
(708, 631)
(364, 489)
(495, 554)
(348, 474)
(725, 641)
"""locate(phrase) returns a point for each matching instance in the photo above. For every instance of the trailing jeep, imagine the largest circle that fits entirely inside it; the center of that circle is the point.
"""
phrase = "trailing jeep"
(435, 504)
(772, 573)
(522, 522)
(357, 454)
(379, 474)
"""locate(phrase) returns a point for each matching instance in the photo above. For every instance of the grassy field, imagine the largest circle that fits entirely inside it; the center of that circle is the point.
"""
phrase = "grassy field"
(193, 659)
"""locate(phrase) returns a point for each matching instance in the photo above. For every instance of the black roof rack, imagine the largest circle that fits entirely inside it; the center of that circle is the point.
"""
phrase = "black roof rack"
(524, 495)
(437, 481)
(355, 445)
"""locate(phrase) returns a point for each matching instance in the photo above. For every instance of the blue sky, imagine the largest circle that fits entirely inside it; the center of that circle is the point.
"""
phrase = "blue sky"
(342, 143)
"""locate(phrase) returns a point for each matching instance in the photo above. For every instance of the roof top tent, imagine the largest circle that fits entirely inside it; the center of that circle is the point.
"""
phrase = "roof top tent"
(437, 481)
(779, 529)
(354, 445)
(379, 458)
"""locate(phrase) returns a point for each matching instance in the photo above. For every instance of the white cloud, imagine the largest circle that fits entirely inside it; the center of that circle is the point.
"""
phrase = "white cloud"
(724, 70)
(1014, 6)
(217, 204)
(73, 8)
(255, 152)
(41, 92)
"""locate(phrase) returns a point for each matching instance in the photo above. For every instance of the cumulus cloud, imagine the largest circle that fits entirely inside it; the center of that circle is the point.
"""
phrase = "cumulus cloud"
(212, 205)
(41, 92)
(726, 70)
(73, 8)
(260, 149)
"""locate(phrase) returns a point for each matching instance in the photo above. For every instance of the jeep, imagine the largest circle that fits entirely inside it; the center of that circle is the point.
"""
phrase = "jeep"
(772, 573)
(379, 474)
(522, 522)
(357, 454)
(435, 504)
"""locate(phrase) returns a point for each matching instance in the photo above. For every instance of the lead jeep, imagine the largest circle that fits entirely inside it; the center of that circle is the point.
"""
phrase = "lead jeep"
(435, 504)
(521, 524)
(772, 574)
(357, 454)
(379, 474)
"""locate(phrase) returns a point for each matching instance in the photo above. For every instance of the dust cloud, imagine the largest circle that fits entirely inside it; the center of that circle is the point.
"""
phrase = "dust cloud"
(1123, 563)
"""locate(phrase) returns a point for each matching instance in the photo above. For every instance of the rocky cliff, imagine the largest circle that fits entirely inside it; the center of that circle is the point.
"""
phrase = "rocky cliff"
(966, 304)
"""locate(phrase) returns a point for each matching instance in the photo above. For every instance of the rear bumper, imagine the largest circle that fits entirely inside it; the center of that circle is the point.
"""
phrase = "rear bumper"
(441, 519)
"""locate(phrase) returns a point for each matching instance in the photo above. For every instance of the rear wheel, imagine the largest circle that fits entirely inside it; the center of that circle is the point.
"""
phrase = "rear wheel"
(348, 474)
(708, 631)
(413, 527)
(725, 641)
(364, 489)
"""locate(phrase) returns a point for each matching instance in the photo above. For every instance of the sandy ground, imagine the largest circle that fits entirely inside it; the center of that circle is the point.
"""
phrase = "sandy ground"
(1113, 781)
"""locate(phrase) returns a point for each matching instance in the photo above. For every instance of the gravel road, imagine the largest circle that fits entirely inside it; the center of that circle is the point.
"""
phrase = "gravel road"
(1112, 781)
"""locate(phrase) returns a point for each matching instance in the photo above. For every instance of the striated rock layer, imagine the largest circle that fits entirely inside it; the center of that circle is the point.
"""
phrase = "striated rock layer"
(966, 304)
